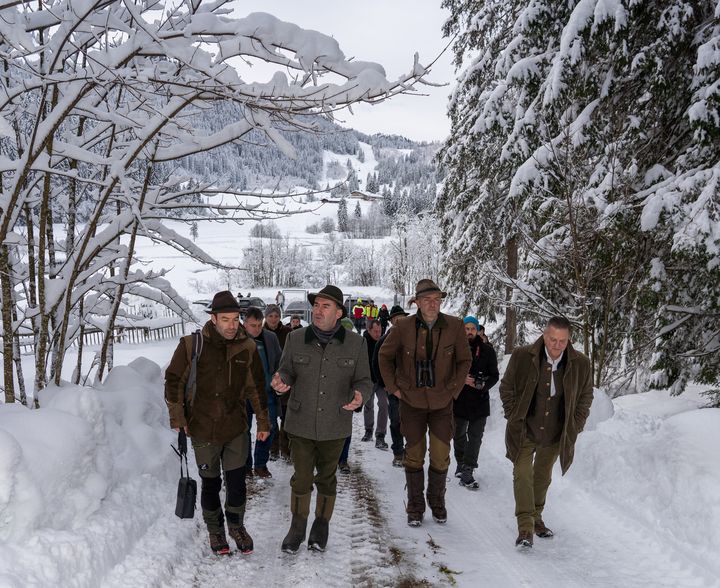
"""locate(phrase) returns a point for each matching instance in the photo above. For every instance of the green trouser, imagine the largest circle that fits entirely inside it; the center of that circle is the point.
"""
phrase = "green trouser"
(531, 480)
(314, 462)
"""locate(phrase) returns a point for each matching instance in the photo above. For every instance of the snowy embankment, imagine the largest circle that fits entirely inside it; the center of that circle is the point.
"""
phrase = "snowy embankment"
(87, 489)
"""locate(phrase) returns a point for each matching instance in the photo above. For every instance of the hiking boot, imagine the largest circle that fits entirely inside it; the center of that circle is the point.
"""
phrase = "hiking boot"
(296, 534)
(398, 461)
(274, 455)
(467, 480)
(219, 544)
(541, 530)
(249, 475)
(436, 495)
(524, 539)
(380, 443)
(459, 470)
(367, 436)
(317, 541)
(242, 538)
(263, 472)
(343, 467)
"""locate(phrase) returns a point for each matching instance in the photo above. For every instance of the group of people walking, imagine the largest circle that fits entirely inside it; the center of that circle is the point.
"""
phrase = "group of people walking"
(430, 374)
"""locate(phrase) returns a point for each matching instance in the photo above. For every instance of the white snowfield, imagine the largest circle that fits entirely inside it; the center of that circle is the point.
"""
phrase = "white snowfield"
(87, 493)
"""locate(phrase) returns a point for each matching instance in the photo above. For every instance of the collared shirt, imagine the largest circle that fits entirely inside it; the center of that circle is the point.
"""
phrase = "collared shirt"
(554, 363)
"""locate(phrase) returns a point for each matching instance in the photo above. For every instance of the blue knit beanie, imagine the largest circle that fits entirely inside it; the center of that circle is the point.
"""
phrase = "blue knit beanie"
(473, 320)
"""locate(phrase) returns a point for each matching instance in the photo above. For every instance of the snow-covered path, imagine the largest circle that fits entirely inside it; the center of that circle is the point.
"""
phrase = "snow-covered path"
(596, 543)
(640, 506)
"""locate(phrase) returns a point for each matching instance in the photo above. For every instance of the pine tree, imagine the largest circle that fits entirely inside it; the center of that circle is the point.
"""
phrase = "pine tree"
(581, 152)
(194, 230)
(342, 215)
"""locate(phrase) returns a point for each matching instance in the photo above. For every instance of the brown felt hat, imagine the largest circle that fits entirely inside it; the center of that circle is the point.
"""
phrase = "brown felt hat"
(331, 293)
(425, 287)
(224, 302)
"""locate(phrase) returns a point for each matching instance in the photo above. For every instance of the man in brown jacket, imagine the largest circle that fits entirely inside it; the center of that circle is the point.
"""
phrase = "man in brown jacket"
(546, 393)
(424, 362)
(229, 372)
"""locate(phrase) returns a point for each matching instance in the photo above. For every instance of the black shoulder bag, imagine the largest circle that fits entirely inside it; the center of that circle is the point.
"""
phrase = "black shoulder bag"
(187, 487)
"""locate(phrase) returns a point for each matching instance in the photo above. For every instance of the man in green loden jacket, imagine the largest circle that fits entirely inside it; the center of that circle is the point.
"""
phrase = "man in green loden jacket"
(325, 369)
(229, 372)
(546, 393)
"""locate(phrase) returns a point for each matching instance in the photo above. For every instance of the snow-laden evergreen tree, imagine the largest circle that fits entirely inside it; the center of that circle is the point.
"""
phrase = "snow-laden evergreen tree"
(582, 177)
(342, 215)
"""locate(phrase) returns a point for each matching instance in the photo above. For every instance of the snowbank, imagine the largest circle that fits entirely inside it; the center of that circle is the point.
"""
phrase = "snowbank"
(72, 475)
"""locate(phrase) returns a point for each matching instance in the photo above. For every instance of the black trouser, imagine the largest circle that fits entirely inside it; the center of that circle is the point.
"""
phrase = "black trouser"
(394, 412)
(467, 440)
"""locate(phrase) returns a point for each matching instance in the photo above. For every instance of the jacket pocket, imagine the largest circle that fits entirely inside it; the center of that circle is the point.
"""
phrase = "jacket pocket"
(346, 362)
(301, 360)
(294, 404)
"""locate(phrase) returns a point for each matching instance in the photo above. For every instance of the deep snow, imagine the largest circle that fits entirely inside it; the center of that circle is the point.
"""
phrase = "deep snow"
(87, 488)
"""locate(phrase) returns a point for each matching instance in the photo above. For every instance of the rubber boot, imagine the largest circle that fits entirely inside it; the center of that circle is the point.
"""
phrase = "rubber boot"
(436, 494)
(416, 501)
(318, 538)
(300, 509)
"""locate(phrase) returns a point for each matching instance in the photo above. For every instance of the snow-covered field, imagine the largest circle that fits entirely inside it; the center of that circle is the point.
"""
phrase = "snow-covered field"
(87, 492)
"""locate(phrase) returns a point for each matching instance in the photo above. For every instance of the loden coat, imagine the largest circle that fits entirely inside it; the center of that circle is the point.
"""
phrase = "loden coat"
(406, 342)
(517, 389)
(323, 381)
(229, 372)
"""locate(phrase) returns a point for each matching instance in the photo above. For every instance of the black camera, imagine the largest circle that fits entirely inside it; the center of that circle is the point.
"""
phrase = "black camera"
(424, 373)
(480, 380)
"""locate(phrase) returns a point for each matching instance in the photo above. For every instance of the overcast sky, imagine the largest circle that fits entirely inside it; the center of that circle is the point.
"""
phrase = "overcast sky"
(389, 32)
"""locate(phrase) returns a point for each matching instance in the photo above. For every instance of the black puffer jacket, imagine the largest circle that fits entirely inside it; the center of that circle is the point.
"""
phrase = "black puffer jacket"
(473, 403)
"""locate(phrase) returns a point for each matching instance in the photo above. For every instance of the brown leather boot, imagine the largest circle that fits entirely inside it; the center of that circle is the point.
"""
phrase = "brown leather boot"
(416, 500)
(541, 530)
(436, 494)
(524, 539)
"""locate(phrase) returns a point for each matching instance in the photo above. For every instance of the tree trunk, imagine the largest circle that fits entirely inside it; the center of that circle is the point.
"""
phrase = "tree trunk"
(8, 375)
(510, 310)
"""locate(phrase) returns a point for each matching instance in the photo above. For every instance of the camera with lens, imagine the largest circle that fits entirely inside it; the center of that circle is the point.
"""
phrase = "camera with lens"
(424, 373)
(480, 380)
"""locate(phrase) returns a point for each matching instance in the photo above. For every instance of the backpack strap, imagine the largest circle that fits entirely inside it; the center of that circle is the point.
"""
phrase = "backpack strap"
(190, 384)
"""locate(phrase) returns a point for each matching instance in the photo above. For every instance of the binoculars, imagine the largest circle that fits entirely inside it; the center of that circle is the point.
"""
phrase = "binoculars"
(424, 373)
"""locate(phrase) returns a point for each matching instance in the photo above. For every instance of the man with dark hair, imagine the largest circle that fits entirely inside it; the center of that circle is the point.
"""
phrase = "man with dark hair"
(372, 334)
(398, 443)
(325, 369)
(275, 325)
(229, 374)
(269, 350)
(295, 322)
(424, 361)
(546, 393)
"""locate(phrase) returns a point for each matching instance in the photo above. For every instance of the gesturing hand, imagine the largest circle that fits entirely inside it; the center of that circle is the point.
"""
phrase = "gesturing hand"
(278, 385)
(356, 402)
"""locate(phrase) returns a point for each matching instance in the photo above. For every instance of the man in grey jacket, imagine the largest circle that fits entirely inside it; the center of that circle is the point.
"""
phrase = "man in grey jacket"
(325, 369)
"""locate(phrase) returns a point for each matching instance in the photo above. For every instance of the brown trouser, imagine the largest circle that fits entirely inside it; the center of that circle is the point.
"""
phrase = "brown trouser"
(415, 424)
(531, 480)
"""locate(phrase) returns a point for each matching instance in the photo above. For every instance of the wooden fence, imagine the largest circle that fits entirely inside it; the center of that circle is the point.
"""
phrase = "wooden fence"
(121, 334)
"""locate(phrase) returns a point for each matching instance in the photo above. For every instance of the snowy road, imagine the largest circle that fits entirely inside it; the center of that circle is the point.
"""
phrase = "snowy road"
(596, 543)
